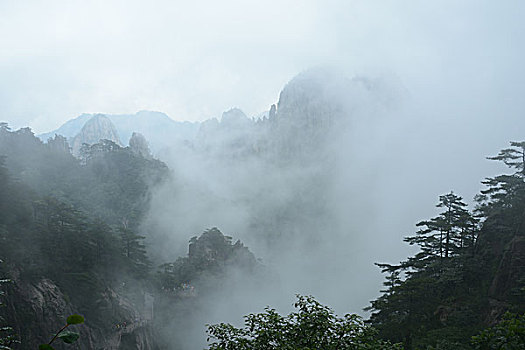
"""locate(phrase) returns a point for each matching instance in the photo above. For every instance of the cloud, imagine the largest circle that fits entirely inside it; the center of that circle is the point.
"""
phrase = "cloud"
(194, 60)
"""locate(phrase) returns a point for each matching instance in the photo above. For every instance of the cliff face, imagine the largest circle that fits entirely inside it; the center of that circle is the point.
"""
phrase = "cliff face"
(318, 108)
(315, 110)
(37, 310)
(69, 129)
(510, 269)
(139, 145)
(99, 127)
(233, 135)
(506, 288)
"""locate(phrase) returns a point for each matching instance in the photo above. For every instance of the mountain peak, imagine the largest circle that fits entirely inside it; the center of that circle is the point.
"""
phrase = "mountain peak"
(234, 117)
(98, 127)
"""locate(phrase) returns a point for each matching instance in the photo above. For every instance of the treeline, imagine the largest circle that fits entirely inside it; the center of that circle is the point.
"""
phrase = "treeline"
(209, 255)
(108, 181)
(469, 271)
(71, 240)
(76, 223)
(463, 289)
(73, 222)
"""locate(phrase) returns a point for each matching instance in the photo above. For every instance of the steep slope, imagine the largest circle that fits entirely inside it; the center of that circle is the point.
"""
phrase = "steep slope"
(69, 129)
(59, 249)
(315, 109)
(99, 127)
(38, 308)
(469, 271)
(233, 135)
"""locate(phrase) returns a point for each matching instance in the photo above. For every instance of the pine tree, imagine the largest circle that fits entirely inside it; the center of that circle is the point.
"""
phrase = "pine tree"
(445, 235)
(134, 251)
(504, 199)
(513, 157)
(438, 298)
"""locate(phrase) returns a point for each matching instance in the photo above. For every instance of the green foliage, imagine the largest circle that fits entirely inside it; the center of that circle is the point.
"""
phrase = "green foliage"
(67, 336)
(507, 334)
(208, 255)
(453, 230)
(503, 201)
(314, 326)
(441, 296)
(134, 252)
(115, 183)
(513, 157)
(61, 220)
(111, 182)
(75, 319)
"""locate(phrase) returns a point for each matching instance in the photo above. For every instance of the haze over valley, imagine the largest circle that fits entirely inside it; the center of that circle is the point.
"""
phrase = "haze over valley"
(187, 179)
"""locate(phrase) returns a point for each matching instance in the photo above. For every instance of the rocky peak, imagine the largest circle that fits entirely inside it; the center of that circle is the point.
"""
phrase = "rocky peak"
(99, 127)
(59, 143)
(139, 145)
(231, 136)
(37, 309)
(214, 248)
(234, 118)
(315, 95)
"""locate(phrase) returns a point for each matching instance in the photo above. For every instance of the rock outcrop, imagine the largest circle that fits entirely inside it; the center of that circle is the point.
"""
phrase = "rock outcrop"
(232, 136)
(213, 248)
(37, 310)
(139, 145)
(511, 271)
(99, 127)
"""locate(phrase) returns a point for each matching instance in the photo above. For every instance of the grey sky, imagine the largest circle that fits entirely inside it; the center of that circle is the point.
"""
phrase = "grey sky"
(195, 59)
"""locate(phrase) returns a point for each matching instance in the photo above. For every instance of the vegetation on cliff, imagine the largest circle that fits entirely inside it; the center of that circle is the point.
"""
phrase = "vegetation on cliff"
(312, 326)
(70, 234)
(468, 272)
(72, 242)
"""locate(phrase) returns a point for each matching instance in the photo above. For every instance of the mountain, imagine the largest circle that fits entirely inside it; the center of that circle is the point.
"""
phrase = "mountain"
(311, 106)
(233, 135)
(63, 224)
(315, 109)
(159, 129)
(314, 112)
(69, 129)
(99, 127)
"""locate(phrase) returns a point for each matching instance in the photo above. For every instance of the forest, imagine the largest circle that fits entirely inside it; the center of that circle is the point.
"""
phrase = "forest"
(262, 175)
(73, 243)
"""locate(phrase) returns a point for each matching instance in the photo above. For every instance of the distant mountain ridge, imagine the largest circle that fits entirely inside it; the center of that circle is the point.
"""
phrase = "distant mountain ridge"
(69, 129)
(312, 108)
(159, 129)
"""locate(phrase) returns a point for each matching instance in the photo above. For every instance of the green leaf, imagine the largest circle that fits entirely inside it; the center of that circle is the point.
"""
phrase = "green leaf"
(75, 319)
(45, 347)
(69, 337)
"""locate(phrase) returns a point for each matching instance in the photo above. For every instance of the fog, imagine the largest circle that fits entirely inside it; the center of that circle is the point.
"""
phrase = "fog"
(346, 168)
(411, 96)
(194, 60)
